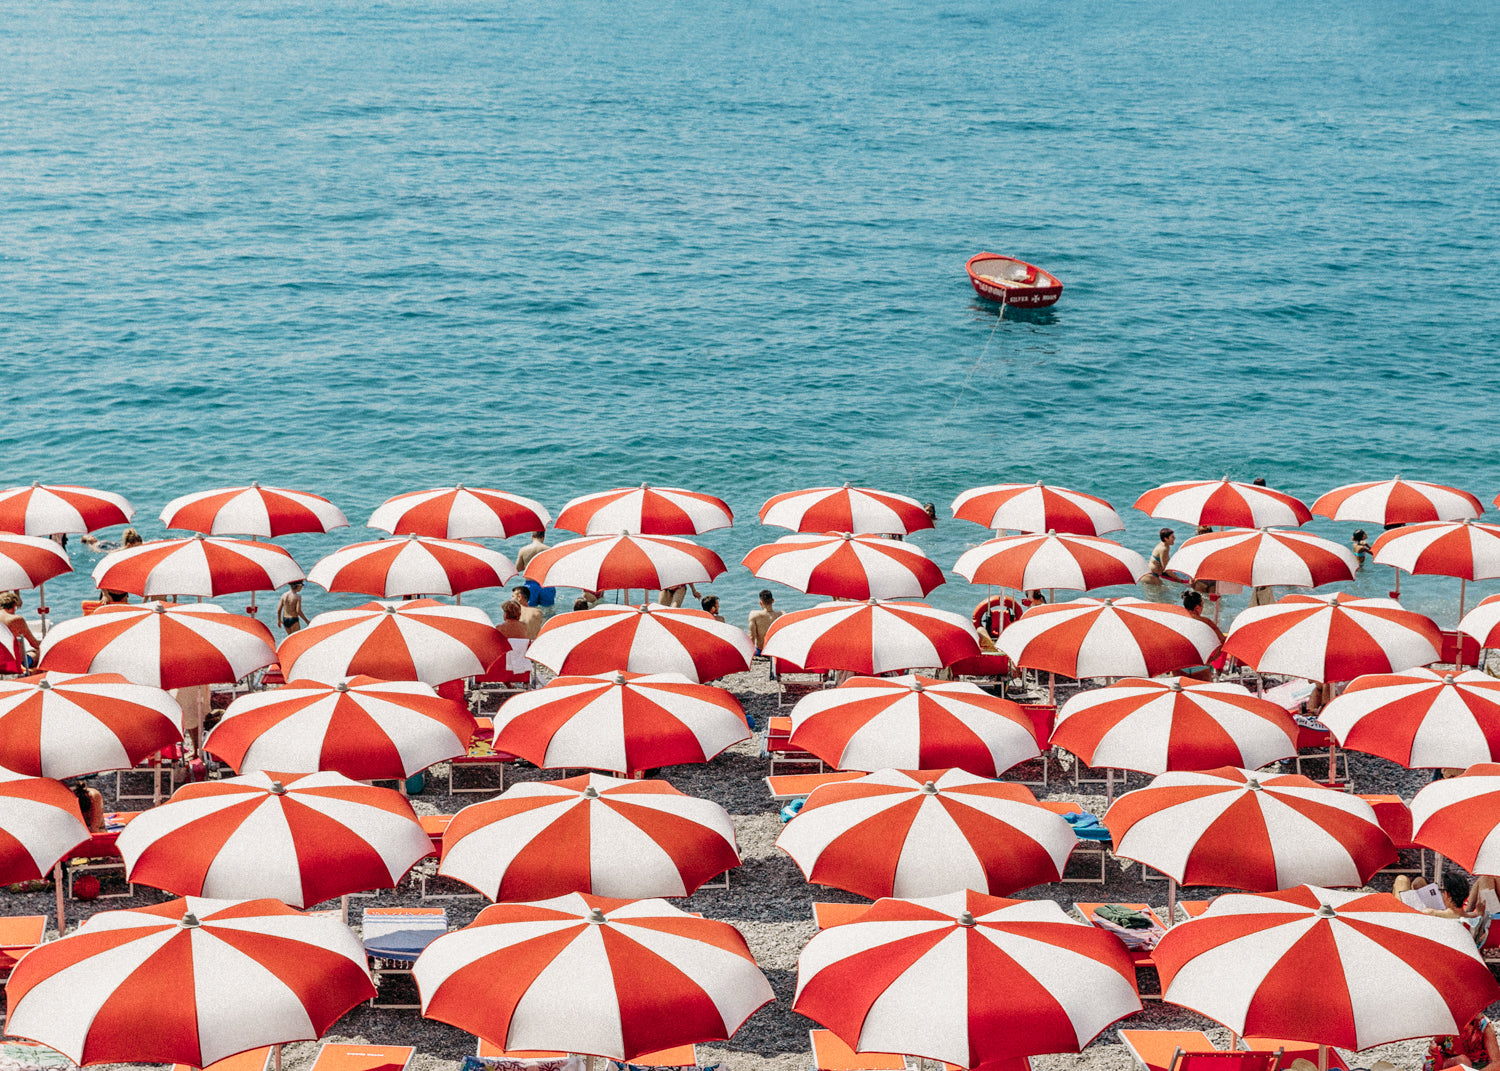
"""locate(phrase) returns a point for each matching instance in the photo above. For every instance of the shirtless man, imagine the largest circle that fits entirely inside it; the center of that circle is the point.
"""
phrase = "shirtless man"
(289, 609)
(760, 619)
(531, 617)
(530, 550)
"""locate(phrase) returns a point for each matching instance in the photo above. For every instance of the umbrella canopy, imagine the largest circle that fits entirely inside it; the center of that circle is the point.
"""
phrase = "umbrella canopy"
(845, 509)
(1419, 718)
(645, 510)
(210, 978)
(912, 833)
(412, 565)
(1464, 549)
(300, 839)
(623, 562)
(58, 509)
(913, 723)
(420, 640)
(165, 646)
(966, 978)
(253, 511)
(26, 561)
(642, 639)
(590, 834)
(1215, 502)
(1156, 725)
(1332, 637)
(1337, 968)
(844, 566)
(622, 722)
(67, 725)
(40, 823)
(1397, 501)
(460, 513)
(870, 637)
(1262, 557)
(1035, 507)
(1458, 817)
(1074, 562)
(202, 565)
(361, 727)
(590, 974)
(1247, 830)
(1108, 638)
(1483, 622)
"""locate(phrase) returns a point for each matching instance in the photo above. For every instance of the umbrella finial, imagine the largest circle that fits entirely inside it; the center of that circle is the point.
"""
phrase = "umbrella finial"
(458, 487)
(189, 921)
(645, 487)
(199, 536)
(918, 687)
(1447, 678)
(160, 606)
(929, 789)
(1176, 684)
(1326, 911)
(966, 919)
(45, 686)
(590, 793)
(596, 917)
(255, 485)
(341, 686)
(278, 789)
(847, 485)
(619, 678)
(1253, 784)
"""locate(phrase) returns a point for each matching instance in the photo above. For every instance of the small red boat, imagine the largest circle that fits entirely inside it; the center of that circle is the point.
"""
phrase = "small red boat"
(1016, 283)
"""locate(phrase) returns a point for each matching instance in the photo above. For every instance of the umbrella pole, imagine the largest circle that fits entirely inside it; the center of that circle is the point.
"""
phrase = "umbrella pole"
(1051, 688)
(1322, 1058)
(57, 880)
(1458, 657)
(277, 1050)
(1397, 593)
(43, 609)
(1171, 919)
(1109, 785)
(344, 908)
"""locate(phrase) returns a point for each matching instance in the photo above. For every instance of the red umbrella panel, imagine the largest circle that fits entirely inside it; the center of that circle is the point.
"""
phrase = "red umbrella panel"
(1459, 817)
(645, 510)
(642, 639)
(253, 511)
(966, 978)
(844, 566)
(1026, 507)
(1223, 502)
(187, 981)
(67, 725)
(912, 833)
(1352, 969)
(1483, 622)
(1420, 718)
(845, 509)
(58, 509)
(461, 513)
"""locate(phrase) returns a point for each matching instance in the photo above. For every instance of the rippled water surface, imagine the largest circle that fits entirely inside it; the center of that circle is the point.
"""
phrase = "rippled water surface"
(362, 248)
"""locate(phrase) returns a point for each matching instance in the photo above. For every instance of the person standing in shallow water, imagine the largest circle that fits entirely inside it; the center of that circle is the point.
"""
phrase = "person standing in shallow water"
(289, 609)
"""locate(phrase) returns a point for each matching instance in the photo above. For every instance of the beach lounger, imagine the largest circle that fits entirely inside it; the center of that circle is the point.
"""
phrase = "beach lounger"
(1154, 1050)
(793, 683)
(254, 1060)
(493, 1056)
(19, 934)
(795, 786)
(332, 1057)
(394, 937)
(780, 752)
(1193, 908)
(683, 1057)
(101, 854)
(826, 915)
(481, 755)
(1140, 946)
(831, 1054)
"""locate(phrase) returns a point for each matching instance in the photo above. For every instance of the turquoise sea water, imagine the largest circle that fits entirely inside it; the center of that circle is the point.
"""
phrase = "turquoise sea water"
(364, 248)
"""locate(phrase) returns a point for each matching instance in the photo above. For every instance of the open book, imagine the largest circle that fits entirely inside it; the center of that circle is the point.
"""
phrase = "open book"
(1426, 898)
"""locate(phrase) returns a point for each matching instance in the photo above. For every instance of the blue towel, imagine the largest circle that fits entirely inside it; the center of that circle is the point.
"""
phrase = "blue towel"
(790, 810)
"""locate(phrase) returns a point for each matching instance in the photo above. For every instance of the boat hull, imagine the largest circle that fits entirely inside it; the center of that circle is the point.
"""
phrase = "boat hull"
(1036, 290)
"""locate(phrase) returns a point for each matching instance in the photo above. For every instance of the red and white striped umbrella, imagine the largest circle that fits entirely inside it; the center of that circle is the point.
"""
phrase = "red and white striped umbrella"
(187, 981)
(966, 978)
(253, 511)
(591, 974)
(845, 509)
(67, 725)
(870, 637)
(1332, 637)
(1465, 549)
(623, 562)
(1420, 718)
(645, 510)
(642, 639)
(298, 838)
(1238, 505)
(420, 640)
(59, 509)
(1248, 830)
(1459, 817)
(161, 645)
(1483, 622)
(412, 565)
(1263, 557)
(1353, 969)
(912, 833)
(622, 722)
(590, 834)
(39, 824)
(460, 513)
(913, 723)
(1036, 507)
(201, 565)
(844, 566)
(1156, 725)
(1108, 638)
(361, 727)
(1397, 501)
(26, 561)
(1027, 562)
